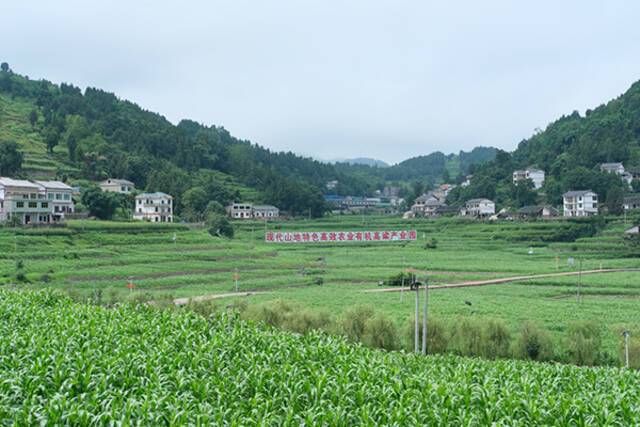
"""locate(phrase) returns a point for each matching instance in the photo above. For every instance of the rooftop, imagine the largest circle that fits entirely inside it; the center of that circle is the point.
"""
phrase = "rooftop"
(577, 193)
(54, 185)
(117, 181)
(156, 195)
(10, 182)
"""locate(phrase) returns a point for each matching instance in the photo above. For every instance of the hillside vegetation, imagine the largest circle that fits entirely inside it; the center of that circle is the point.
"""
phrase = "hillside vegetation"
(136, 365)
(569, 150)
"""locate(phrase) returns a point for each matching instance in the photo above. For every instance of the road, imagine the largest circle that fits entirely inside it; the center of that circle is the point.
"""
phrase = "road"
(200, 298)
(503, 280)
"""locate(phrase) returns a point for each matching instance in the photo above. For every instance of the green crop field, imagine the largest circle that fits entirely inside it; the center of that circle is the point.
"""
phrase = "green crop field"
(97, 259)
(64, 363)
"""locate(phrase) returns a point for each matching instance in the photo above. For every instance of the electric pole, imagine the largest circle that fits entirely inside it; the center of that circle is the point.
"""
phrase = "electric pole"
(424, 318)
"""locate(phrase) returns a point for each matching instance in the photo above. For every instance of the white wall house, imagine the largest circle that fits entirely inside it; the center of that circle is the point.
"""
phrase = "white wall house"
(24, 200)
(632, 202)
(535, 175)
(479, 208)
(580, 203)
(426, 205)
(59, 197)
(117, 186)
(153, 207)
(250, 211)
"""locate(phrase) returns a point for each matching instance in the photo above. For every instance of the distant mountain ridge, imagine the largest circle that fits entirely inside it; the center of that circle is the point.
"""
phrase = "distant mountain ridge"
(366, 161)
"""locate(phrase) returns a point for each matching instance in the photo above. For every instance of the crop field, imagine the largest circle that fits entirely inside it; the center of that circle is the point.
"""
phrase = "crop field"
(96, 260)
(135, 365)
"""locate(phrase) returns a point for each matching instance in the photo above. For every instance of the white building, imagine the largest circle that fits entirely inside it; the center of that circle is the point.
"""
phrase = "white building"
(153, 207)
(479, 208)
(250, 211)
(631, 202)
(24, 200)
(59, 197)
(426, 205)
(117, 186)
(580, 203)
(535, 175)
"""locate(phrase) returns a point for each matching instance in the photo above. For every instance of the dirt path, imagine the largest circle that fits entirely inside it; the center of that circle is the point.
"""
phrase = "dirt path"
(200, 298)
(506, 280)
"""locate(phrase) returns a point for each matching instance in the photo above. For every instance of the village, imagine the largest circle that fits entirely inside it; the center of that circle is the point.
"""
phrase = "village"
(48, 202)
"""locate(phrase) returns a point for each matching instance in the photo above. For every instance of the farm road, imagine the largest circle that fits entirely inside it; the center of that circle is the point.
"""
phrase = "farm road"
(505, 280)
(200, 298)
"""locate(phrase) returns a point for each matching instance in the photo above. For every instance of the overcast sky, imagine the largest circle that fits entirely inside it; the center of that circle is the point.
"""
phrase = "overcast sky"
(338, 79)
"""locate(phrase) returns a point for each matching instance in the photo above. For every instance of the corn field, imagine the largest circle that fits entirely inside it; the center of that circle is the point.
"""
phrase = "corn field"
(68, 363)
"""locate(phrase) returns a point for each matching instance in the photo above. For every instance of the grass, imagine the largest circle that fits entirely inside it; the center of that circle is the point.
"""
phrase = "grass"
(91, 255)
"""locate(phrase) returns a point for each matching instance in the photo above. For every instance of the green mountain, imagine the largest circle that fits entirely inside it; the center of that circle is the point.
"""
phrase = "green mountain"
(83, 137)
(569, 150)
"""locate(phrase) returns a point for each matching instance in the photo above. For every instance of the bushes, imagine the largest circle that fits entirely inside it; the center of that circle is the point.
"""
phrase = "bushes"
(438, 335)
(466, 339)
(583, 343)
(219, 226)
(496, 339)
(353, 322)
(533, 343)
(380, 332)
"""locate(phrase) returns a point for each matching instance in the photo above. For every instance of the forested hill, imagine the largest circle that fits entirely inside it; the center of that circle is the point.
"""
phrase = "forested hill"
(570, 151)
(94, 135)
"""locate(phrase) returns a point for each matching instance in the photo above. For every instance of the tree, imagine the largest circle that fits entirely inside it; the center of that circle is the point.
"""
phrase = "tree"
(51, 137)
(33, 117)
(524, 194)
(10, 158)
(615, 200)
(445, 176)
(101, 204)
(194, 202)
(219, 226)
(5, 67)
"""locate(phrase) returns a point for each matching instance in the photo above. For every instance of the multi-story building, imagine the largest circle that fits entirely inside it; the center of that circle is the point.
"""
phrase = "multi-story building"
(535, 175)
(580, 203)
(117, 186)
(426, 205)
(479, 208)
(153, 207)
(250, 211)
(24, 200)
(59, 196)
(631, 202)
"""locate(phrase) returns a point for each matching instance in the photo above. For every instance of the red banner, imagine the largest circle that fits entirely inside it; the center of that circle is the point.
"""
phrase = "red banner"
(339, 236)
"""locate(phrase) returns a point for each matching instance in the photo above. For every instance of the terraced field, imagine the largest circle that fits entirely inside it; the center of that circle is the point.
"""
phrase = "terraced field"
(97, 260)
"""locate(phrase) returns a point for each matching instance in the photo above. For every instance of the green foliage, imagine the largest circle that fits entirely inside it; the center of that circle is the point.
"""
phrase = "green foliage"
(10, 158)
(466, 339)
(438, 335)
(533, 343)
(101, 204)
(184, 369)
(380, 332)
(353, 321)
(615, 200)
(584, 343)
(219, 226)
(496, 338)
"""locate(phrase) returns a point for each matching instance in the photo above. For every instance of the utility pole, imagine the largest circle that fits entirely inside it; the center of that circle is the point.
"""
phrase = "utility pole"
(579, 280)
(626, 348)
(417, 326)
(424, 314)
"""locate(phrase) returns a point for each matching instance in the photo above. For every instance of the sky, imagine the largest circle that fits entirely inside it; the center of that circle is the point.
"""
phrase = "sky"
(339, 79)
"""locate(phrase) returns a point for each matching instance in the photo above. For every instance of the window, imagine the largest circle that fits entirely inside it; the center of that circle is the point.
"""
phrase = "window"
(33, 204)
(123, 188)
(33, 195)
(45, 205)
(19, 204)
(50, 196)
(67, 197)
(58, 196)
